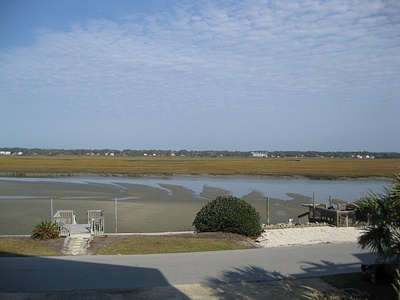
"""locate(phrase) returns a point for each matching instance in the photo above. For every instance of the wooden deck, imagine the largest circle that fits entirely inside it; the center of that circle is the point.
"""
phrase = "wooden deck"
(321, 214)
(80, 230)
(68, 226)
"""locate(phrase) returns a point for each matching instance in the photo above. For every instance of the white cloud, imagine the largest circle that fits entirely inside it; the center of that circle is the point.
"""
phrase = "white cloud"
(204, 57)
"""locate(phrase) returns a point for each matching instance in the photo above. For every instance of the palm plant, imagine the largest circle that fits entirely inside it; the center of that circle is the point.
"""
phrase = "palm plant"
(381, 213)
(45, 230)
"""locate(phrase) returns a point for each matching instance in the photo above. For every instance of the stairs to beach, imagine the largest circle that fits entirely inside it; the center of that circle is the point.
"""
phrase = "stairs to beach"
(78, 240)
(78, 236)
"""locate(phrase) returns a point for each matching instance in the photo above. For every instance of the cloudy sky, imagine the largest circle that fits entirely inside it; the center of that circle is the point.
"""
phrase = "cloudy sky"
(200, 75)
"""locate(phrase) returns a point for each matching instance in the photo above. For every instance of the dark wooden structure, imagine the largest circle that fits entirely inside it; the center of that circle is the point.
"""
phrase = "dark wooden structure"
(341, 216)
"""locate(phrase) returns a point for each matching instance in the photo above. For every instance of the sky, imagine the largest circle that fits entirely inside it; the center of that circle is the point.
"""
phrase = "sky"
(200, 75)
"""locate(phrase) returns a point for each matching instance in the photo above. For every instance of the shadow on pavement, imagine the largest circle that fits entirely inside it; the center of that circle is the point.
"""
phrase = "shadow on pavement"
(62, 278)
(326, 267)
(71, 278)
(257, 283)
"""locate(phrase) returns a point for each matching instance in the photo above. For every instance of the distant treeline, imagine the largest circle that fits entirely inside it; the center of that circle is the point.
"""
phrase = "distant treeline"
(196, 153)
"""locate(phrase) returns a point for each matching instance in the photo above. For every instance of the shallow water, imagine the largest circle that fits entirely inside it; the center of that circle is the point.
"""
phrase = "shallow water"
(159, 204)
(346, 190)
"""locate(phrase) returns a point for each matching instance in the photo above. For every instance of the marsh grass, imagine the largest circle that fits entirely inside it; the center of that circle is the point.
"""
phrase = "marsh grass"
(153, 245)
(137, 166)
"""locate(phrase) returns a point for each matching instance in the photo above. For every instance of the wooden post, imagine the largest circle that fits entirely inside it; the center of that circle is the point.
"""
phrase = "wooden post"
(51, 208)
(116, 215)
(337, 218)
(314, 199)
(330, 201)
(267, 203)
(314, 196)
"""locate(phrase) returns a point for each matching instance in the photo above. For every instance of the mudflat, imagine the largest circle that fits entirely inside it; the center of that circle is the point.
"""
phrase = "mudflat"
(140, 208)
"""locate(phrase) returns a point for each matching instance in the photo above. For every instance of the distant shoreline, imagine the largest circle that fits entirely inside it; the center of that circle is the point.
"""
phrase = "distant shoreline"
(96, 175)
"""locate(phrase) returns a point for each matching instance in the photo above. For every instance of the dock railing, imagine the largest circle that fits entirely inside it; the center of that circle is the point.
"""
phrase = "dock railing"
(336, 217)
(64, 219)
(95, 218)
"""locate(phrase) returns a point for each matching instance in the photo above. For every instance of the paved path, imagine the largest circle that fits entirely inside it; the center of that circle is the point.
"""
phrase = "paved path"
(72, 273)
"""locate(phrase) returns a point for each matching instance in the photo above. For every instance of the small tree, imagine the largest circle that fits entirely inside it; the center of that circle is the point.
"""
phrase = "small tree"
(45, 230)
(228, 214)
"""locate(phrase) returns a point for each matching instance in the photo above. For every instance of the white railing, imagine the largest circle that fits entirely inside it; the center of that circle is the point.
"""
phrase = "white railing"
(64, 219)
(95, 218)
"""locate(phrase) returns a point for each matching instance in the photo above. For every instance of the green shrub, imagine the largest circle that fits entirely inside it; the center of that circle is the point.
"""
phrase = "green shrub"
(45, 230)
(228, 214)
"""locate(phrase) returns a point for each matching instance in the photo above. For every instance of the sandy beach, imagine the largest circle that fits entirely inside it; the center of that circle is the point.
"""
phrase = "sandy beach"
(308, 235)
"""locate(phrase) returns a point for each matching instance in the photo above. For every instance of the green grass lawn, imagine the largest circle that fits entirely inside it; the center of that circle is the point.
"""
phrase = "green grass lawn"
(131, 245)
(16, 247)
(152, 245)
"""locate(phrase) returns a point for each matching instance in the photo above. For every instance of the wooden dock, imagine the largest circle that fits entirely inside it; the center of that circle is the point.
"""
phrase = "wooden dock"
(320, 213)
(80, 231)
(67, 224)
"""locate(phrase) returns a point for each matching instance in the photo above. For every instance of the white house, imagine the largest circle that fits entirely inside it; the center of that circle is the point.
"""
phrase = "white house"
(259, 154)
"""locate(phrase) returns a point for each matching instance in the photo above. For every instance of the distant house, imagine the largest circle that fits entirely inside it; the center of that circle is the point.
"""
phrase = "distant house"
(259, 154)
(92, 153)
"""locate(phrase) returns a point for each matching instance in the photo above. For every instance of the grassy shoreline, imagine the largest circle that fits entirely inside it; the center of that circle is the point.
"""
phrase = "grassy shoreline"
(314, 168)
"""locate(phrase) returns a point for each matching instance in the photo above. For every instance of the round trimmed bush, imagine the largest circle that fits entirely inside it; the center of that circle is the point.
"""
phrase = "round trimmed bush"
(228, 214)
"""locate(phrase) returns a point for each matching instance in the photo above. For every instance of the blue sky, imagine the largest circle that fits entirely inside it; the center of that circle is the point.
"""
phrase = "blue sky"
(200, 75)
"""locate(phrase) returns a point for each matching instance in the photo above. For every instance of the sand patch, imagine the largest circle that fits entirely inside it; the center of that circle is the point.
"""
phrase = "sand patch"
(308, 236)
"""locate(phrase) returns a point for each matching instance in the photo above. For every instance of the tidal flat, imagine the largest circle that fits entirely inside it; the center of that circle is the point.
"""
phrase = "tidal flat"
(140, 207)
